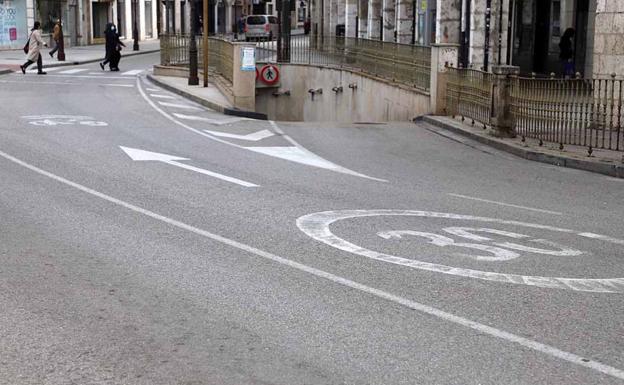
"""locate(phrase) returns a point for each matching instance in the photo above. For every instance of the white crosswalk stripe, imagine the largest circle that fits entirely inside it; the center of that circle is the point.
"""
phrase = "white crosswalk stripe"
(131, 73)
(74, 71)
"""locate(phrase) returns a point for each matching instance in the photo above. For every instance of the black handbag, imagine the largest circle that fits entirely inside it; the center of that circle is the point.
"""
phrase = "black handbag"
(27, 46)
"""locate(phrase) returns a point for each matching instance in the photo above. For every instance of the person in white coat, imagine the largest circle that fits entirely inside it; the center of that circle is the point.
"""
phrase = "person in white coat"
(35, 43)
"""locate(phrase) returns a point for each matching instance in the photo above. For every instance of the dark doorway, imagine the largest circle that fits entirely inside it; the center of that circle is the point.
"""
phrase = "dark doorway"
(542, 34)
(580, 44)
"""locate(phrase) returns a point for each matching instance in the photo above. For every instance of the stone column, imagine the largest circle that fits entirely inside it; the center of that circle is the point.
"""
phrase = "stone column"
(374, 19)
(243, 82)
(405, 21)
(363, 18)
(389, 19)
(502, 121)
(448, 21)
(442, 55)
(141, 19)
(351, 13)
(608, 55)
(229, 12)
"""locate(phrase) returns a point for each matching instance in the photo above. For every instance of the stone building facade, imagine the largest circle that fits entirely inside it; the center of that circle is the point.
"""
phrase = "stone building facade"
(523, 33)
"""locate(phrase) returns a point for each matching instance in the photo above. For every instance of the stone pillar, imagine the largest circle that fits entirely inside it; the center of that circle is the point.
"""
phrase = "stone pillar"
(363, 18)
(243, 82)
(128, 19)
(405, 21)
(448, 21)
(389, 19)
(608, 54)
(374, 19)
(229, 12)
(442, 55)
(351, 13)
(141, 19)
(502, 121)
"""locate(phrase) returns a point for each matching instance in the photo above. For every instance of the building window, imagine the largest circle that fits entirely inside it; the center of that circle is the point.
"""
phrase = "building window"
(50, 12)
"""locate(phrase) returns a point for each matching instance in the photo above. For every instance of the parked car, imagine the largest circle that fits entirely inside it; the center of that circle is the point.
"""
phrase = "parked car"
(261, 27)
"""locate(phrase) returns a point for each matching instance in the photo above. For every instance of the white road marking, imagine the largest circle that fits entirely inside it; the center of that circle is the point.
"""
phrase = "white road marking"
(74, 71)
(131, 73)
(153, 89)
(162, 96)
(68, 84)
(179, 123)
(96, 73)
(63, 120)
(86, 77)
(142, 155)
(317, 226)
(176, 105)
(422, 308)
(34, 70)
(216, 122)
(602, 238)
(506, 204)
(253, 137)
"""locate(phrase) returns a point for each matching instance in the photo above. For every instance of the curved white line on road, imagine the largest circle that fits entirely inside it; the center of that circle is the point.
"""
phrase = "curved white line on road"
(317, 225)
(425, 309)
(334, 167)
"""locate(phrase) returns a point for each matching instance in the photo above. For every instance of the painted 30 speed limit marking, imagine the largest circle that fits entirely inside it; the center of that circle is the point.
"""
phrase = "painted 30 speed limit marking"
(63, 120)
(474, 241)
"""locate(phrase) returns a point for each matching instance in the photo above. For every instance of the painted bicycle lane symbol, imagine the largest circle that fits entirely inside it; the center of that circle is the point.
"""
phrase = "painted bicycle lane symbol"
(477, 241)
(63, 120)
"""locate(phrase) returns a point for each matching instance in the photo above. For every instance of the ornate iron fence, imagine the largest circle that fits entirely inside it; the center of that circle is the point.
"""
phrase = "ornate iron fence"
(174, 51)
(584, 112)
(402, 63)
(469, 94)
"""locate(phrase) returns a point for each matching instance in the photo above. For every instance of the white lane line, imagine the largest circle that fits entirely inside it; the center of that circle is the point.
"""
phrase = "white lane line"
(96, 73)
(176, 105)
(253, 137)
(131, 73)
(153, 90)
(602, 238)
(162, 96)
(74, 71)
(216, 139)
(505, 204)
(68, 84)
(86, 77)
(449, 317)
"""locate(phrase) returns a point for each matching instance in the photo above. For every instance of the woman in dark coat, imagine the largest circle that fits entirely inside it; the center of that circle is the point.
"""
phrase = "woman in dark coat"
(566, 53)
(113, 48)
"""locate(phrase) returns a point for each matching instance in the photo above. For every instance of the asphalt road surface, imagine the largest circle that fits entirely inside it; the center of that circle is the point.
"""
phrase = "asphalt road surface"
(148, 240)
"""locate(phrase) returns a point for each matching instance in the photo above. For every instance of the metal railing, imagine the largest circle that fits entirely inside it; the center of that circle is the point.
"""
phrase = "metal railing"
(584, 112)
(174, 51)
(402, 63)
(469, 95)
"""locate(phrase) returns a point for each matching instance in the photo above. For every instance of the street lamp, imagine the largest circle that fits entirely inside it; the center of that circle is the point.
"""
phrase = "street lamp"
(135, 30)
(60, 56)
(193, 80)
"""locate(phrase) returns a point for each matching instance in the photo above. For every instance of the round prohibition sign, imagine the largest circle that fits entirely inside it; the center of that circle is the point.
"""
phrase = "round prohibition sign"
(317, 225)
(269, 74)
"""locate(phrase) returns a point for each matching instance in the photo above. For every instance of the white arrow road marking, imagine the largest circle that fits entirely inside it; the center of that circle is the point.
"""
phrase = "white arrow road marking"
(142, 155)
(309, 155)
(183, 106)
(216, 122)
(549, 350)
(253, 137)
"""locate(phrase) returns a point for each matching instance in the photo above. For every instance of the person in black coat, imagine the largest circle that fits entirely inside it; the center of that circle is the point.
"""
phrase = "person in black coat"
(113, 48)
(566, 53)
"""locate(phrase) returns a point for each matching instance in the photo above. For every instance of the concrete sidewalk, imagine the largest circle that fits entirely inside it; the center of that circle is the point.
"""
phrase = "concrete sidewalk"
(605, 162)
(12, 59)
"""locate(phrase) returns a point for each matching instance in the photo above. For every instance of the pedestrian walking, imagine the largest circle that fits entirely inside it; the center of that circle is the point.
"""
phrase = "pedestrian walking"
(566, 53)
(33, 49)
(56, 36)
(113, 48)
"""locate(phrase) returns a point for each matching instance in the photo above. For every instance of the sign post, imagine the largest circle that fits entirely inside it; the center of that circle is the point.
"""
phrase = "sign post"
(205, 41)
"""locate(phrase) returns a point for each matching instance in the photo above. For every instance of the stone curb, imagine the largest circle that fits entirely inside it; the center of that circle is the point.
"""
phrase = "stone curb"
(599, 167)
(204, 102)
(5, 71)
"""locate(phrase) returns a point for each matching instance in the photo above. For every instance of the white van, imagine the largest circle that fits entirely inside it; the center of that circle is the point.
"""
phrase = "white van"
(262, 27)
